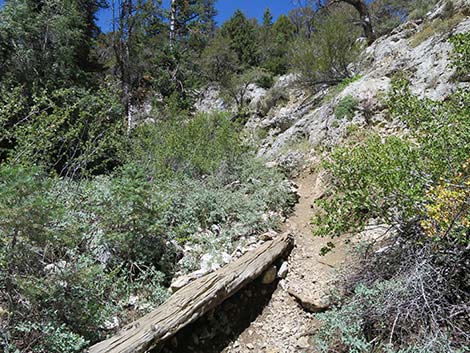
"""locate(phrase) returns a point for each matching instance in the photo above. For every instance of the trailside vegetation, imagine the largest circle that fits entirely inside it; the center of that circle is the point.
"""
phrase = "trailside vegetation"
(411, 296)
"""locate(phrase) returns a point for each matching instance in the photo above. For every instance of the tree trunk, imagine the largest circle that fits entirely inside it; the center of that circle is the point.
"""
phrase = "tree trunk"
(366, 22)
(172, 23)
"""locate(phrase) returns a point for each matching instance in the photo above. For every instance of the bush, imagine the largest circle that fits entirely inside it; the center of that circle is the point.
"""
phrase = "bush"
(346, 108)
(461, 44)
(265, 80)
(73, 253)
(387, 178)
(323, 58)
(71, 131)
(192, 147)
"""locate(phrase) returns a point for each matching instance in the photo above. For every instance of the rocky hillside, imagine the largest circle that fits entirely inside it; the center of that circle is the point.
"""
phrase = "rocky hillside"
(287, 121)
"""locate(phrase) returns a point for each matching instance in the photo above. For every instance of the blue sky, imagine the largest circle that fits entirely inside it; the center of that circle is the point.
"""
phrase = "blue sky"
(252, 8)
(225, 8)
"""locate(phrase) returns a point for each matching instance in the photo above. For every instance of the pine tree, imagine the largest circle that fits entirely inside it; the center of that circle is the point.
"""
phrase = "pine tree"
(48, 43)
(242, 35)
(267, 18)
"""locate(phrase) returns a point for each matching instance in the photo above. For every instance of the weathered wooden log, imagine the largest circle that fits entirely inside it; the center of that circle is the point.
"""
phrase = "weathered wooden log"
(194, 300)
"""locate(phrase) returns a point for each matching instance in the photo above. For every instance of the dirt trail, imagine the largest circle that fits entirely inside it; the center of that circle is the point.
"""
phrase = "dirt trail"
(284, 326)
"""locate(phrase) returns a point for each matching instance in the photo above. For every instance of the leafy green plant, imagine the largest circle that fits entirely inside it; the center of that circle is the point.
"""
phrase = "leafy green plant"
(346, 108)
(418, 185)
(193, 147)
(323, 58)
(461, 61)
(71, 131)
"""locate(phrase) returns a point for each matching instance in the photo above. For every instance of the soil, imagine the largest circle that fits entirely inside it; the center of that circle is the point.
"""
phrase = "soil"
(284, 326)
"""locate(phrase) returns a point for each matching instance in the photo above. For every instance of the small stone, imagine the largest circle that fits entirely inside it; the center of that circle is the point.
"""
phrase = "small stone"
(111, 324)
(303, 342)
(283, 270)
(272, 350)
(250, 346)
(226, 258)
(270, 275)
(215, 228)
(133, 299)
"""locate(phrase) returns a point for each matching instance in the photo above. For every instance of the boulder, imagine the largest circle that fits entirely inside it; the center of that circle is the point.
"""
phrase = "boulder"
(310, 305)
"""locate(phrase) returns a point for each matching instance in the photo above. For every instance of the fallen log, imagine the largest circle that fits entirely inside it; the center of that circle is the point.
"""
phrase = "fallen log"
(194, 300)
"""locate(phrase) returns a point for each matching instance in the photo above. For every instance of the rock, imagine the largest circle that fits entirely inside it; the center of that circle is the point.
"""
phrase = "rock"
(303, 343)
(226, 258)
(309, 304)
(111, 324)
(254, 96)
(215, 228)
(210, 100)
(283, 270)
(291, 161)
(250, 346)
(430, 76)
(269, 276)
(55, 267)
(209, 263)
(132, 301)
(272, 350)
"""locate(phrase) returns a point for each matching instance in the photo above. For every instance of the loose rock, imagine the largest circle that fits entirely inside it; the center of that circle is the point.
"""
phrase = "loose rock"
(270, 275)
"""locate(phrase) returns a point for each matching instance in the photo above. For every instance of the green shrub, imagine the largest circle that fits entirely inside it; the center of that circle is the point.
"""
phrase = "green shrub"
(71, 131)
(346, 108)
(461, 44)
(73, 252)
(193, 147)
(323, 58)
(265, 80)
(387, 178)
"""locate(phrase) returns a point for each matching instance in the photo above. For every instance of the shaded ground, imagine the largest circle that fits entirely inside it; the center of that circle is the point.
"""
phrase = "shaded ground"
(221, 326)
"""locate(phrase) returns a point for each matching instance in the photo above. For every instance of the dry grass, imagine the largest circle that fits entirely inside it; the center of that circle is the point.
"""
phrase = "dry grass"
(436, 27)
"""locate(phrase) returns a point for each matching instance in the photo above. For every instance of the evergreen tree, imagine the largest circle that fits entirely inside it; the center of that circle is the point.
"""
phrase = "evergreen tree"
(190, 18)
(267, 18)
(47, 43)
(275, 45)
(242, 36)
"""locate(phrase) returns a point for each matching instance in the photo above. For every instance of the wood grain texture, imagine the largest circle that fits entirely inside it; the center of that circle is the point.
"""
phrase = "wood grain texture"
(194, 300)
